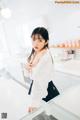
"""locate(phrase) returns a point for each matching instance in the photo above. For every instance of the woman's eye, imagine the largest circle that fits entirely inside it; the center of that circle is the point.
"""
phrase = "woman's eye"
(33, 39)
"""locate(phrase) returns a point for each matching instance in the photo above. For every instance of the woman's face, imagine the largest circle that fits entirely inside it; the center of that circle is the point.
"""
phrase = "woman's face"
(38, 42)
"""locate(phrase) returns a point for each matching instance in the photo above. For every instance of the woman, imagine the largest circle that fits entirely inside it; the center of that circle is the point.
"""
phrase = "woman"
(39, 66)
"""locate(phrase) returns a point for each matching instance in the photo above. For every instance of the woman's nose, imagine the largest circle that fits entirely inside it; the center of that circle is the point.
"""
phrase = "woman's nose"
(36, 42)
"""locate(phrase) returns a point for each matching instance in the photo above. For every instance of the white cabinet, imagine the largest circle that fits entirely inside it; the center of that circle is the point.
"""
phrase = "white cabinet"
(64, 81)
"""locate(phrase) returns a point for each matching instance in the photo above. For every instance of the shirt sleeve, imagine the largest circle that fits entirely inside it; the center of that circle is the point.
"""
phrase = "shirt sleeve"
(42, 75)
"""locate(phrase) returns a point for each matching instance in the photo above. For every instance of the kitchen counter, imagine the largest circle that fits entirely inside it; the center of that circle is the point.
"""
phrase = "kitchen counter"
(51, 109)
(70, 100)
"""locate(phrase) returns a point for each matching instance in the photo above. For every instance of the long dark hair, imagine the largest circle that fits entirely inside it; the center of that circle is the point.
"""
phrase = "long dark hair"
(40, 31)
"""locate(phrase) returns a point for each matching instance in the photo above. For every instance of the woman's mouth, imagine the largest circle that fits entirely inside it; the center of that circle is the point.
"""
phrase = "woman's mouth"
(35, 47)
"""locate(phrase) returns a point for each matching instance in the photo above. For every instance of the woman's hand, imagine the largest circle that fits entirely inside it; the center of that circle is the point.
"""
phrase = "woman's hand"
(31, 109)
(29, 66)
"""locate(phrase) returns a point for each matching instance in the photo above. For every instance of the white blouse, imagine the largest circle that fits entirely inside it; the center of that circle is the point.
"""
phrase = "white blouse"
(42, 73)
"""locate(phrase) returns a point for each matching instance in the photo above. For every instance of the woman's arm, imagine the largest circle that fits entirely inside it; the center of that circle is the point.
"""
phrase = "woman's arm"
(42, 75)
